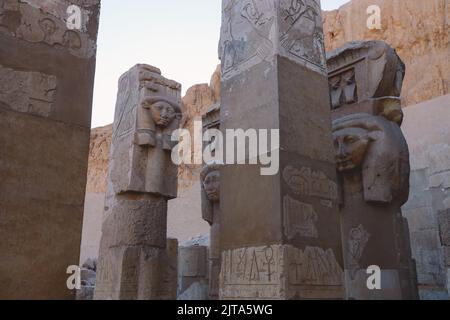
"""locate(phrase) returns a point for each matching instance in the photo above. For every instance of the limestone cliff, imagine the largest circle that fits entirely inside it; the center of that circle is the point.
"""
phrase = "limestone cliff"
(98, 159)
(195, 103)
(417, 29)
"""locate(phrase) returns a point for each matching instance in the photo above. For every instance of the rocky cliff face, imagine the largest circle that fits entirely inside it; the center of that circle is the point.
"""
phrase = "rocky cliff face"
(417, 29)
(99, 159)
(196, 102)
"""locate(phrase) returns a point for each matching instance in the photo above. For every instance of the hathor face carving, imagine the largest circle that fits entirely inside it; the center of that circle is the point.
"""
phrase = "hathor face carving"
(351, 146)
(211, 184)
(162, 113)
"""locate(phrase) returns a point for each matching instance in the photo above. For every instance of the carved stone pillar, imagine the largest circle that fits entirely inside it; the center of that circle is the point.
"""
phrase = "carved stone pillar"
(133, 259)
(47, 69)
(280, 234)
(210, 185)
(373, 163)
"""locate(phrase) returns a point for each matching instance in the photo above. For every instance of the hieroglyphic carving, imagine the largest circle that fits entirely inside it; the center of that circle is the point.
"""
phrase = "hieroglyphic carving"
(299, 219)
(308, 182)
(142, 178)
(30, 92)
(357, 241)
(247, 37)
(313, 266)
(343, 89)
(301, 32)
(251, 266)
(257, 272)
(38, 22)
(366, 76)
(377, 147)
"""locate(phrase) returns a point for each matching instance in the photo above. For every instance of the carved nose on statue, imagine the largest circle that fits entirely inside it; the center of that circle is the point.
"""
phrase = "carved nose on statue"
(341, 151)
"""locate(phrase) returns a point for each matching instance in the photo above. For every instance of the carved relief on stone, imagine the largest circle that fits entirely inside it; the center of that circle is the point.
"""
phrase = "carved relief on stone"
(357, 240)
(301, 32)
(247, 35)
(299, 219)
(254, 31)
(29, 92)
(308, 182)
(210, 186)
(264, 266)
(46, 22)
(366, 76)
(313, 266)
(343, 89)
(148, 111)
(251, 266)
(376, 146)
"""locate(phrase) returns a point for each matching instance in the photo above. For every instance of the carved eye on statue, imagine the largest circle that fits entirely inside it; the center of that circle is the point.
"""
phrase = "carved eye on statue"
(350, 139)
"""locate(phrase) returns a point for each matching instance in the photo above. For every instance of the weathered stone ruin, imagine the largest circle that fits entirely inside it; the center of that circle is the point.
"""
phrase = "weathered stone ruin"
(372, 158)
(135, 261)
(280, 234)
(46, 83)
(364, 159)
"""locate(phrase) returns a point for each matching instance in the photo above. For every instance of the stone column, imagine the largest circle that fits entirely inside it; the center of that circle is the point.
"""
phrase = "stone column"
(193, 273)
(210, 186)
(142, 178)
(280, 234)
(47, 68)
(373, 161)
(444, 231)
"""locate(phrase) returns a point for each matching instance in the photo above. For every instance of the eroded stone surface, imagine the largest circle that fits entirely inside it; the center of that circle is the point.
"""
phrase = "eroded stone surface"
(254, 32)
(135, 260)
(272, 65)
(372, 159)
(29, 92)
(417, 29)
(46, 22)
(366, 76)
(280, 272)
(46, 86)
(193, 273)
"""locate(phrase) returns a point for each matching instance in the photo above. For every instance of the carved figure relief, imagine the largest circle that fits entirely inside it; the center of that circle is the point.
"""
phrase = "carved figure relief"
(343, 89)
(210, 185)
(369, 73)
(36, 22)
(357, 241)
(247, 34)
(158, 113)
(30, 92)
(376, 146)
(301, 31)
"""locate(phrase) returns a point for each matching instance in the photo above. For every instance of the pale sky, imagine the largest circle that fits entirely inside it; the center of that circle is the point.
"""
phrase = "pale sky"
(178, 36)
